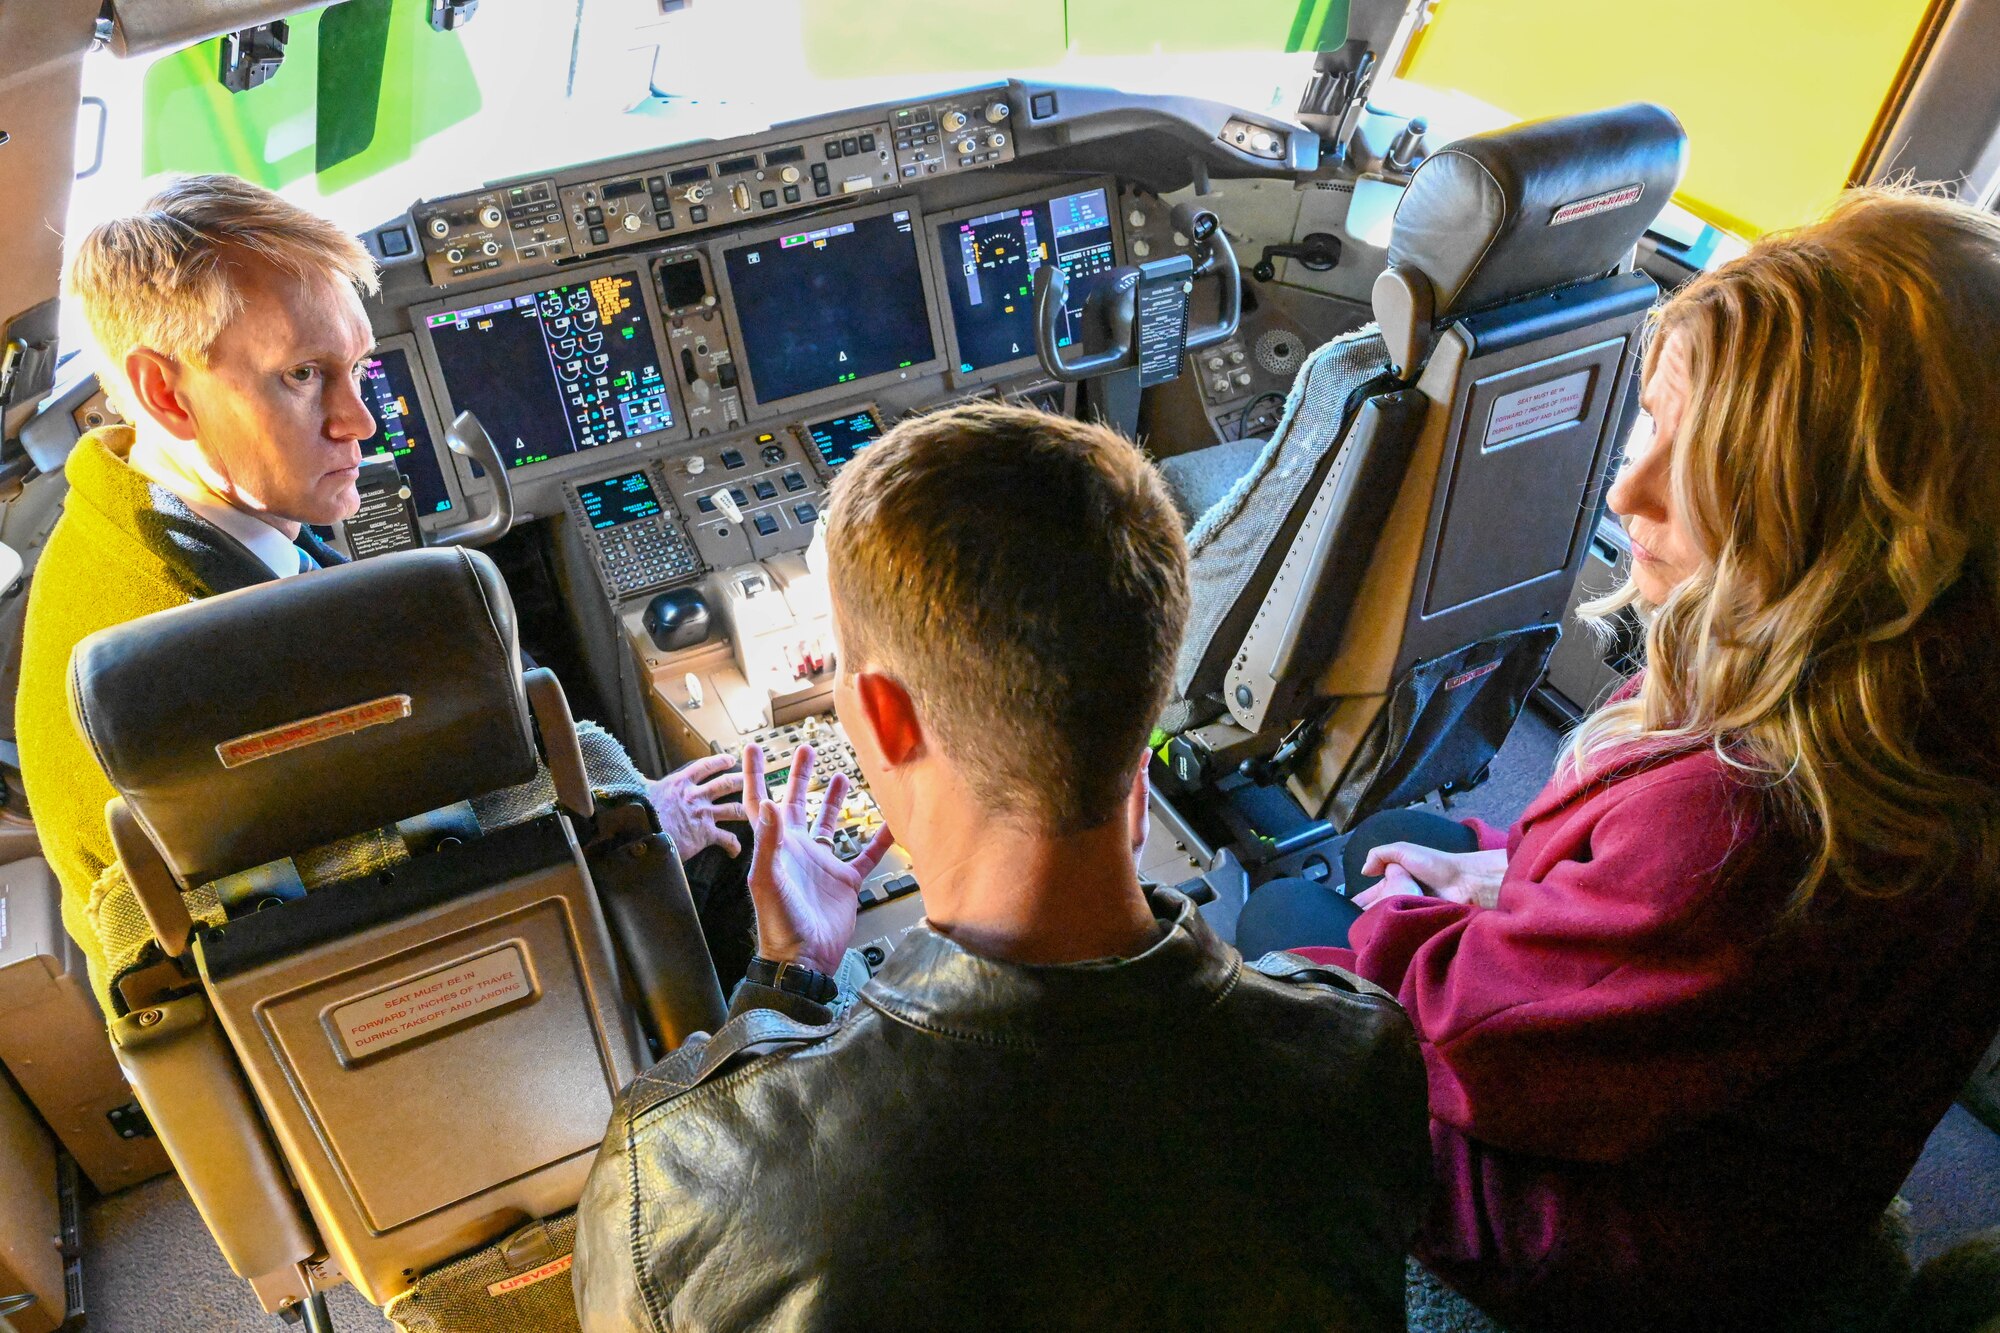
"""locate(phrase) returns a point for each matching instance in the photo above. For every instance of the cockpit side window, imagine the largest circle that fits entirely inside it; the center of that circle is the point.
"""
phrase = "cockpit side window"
(1780, 98)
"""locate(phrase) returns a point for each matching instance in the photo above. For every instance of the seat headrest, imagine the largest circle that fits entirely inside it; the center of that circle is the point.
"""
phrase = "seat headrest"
(1504, 214)
(259, 724)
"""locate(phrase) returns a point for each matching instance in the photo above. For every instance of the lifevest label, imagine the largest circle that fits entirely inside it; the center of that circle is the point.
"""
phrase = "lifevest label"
(312, 730)
(553, 1268)
(431, 1003)
(1578, 209)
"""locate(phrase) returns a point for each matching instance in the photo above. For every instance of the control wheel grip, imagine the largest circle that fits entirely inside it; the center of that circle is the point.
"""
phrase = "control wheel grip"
(467, 437)
(1072, 363)
(1221, 262)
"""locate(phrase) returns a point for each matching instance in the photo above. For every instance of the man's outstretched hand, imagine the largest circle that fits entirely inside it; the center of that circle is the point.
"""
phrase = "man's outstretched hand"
(691, 803)
(806, 896)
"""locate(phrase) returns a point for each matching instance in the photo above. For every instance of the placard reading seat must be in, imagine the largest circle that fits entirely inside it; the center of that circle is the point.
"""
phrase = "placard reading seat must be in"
(432, 1003)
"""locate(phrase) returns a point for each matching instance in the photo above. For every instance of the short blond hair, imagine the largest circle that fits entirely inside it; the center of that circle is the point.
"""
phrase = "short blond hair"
(160, 278)
(1024, 576)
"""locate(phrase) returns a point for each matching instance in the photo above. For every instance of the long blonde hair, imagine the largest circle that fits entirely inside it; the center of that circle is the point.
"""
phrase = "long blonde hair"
(1839, 465)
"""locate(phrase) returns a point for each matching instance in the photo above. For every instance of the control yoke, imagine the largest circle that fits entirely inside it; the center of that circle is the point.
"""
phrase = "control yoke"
(469, 439)
(1141, 313)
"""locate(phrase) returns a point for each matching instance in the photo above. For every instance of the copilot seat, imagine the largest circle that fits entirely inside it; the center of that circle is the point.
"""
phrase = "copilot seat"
(406, 946)
(1376, 589)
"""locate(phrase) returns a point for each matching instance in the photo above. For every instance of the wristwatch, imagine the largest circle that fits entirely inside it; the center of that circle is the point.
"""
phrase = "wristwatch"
(793, 979)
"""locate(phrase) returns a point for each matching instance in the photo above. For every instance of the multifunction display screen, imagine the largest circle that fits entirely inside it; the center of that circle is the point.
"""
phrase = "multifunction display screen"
(830, 305)
(841, 438)
(990, 263)
(401, 432)
(556, 371)
(618, 500)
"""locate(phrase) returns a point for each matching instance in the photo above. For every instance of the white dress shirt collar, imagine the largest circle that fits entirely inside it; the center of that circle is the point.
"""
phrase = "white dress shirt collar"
(265, 542)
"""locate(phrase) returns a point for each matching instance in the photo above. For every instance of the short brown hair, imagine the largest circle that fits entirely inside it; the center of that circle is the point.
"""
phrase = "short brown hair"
(160, 277)
(1024, 576)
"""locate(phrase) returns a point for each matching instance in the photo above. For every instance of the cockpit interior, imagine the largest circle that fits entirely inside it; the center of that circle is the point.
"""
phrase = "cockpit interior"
(371, 1017)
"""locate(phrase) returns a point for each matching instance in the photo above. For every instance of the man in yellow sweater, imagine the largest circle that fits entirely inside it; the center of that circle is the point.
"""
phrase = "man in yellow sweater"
(233, 336)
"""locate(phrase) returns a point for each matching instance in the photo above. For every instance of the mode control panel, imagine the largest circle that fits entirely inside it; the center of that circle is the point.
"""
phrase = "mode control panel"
(498, 229)
(748, 498)
(951, 135)
(611, 212)
(698, 343)
(471, 237)
(634, 531)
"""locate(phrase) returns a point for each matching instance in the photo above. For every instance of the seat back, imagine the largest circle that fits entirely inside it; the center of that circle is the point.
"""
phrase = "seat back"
(428, 1043)
(1407, 636)
(1238, 543)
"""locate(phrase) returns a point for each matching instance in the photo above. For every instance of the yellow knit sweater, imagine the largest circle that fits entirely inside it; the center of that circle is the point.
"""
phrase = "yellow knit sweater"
(123, 548)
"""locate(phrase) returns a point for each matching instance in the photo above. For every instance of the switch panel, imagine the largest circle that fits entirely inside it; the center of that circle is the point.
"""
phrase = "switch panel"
(768, 479)
(697, 343)
(492, 232)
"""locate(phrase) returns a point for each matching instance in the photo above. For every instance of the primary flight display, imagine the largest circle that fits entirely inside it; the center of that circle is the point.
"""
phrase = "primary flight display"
(990, 262)
(830, 305)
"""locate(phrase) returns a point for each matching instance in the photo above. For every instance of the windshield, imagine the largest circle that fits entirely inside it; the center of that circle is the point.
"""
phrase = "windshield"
(372, 109)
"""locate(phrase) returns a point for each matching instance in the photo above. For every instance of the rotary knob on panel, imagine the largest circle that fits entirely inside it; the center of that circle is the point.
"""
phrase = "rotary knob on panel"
(951, 122)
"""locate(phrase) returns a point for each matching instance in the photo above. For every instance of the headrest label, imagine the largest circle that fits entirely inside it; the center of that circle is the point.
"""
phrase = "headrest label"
(312, 730)
(1578, 209)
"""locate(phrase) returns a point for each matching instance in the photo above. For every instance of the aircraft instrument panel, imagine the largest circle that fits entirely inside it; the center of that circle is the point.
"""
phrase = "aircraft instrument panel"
(556, 370)
(989, 262)
(838, 439)
(402, 430)
(832, 304)
(727, 378)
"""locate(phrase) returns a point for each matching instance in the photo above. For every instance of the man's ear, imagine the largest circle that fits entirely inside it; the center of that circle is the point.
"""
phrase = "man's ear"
(1137, 811)
(891, 716)
(156, 391)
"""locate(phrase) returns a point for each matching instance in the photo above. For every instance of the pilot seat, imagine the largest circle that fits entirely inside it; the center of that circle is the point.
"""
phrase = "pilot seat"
(1377, 587)
(403, 944)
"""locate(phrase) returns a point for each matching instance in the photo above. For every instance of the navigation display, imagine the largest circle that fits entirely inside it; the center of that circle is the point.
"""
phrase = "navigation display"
(401, 432)
(556, 371)
(990, 263)
(830, 305)
(617, 500)
(839, 439)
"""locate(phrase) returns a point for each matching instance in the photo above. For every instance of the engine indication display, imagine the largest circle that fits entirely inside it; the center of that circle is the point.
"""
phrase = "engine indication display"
(839, 439)
(992, 260)
(556, 371)
(616, 500)
(401, 433)
(831, 305)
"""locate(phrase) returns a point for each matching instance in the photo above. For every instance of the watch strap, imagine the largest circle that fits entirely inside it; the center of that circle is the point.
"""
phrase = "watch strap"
(793, 979)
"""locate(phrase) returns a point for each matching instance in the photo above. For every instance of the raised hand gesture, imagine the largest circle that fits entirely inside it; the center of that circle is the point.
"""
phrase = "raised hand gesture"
(806, 896)
(693, 803)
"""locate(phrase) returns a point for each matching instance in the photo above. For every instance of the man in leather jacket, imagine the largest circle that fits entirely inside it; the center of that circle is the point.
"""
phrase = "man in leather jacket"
(1062, 1102)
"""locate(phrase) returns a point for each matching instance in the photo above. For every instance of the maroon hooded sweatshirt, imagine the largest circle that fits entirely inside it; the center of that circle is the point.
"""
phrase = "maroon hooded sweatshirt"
(1657, 1102)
